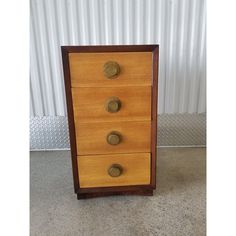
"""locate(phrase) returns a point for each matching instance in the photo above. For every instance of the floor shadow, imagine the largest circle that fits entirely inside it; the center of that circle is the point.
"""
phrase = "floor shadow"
(180, 169)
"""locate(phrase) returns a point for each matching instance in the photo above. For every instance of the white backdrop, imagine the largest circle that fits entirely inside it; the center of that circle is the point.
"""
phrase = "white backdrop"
(178, 26)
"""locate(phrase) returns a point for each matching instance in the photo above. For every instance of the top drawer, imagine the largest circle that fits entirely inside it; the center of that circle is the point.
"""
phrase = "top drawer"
(87, 69)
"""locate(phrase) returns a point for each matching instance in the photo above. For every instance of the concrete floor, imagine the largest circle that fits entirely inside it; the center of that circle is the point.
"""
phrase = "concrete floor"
(177, 207)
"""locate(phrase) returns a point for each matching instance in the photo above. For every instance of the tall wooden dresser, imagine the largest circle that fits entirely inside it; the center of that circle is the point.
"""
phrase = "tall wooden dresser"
(111, 94)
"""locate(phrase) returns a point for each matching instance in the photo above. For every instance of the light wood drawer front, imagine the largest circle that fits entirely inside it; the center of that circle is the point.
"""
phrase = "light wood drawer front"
(91, 138)
(86, 69)
(93, 170)
(90, 104)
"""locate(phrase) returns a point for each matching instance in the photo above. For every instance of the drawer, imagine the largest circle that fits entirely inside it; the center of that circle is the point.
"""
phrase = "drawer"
(114, 170)
(112, 104)
(87, 69)
(93, 138)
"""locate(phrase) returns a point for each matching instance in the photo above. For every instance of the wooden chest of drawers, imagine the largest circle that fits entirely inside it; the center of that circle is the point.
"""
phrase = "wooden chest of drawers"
(111, 94)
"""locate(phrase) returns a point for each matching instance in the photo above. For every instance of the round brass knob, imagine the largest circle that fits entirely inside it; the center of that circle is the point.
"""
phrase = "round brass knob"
(115, 170)
(111, 69)
(113, 138)
(113, 104)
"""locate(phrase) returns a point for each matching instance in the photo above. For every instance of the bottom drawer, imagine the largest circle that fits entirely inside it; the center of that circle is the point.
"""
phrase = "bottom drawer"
(114, 170)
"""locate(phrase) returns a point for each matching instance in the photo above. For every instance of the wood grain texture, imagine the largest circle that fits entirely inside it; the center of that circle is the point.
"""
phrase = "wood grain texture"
(133, 188)
(116, 191)
(70, 113)
(110, 48)
(89, 104)
(154, 117)
(92, 137)
(87, 69)
(93, 170)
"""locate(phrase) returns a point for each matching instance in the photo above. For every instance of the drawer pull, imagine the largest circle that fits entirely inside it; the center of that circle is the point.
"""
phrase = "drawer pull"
(113, 104)
(114, 138)
(111, 69)
(115, 170)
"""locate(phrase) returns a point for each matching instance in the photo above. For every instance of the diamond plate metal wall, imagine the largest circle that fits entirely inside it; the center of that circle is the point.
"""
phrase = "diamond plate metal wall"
(182, 130)
(48, 133)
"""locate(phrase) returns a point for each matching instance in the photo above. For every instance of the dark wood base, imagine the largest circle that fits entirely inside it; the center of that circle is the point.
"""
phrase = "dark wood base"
(145, 192)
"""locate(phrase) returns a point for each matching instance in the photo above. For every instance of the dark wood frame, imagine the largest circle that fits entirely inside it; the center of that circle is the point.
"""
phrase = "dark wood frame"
(120, 190)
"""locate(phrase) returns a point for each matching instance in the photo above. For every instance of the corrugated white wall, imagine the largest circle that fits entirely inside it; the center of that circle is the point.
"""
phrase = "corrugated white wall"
(178, 26)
